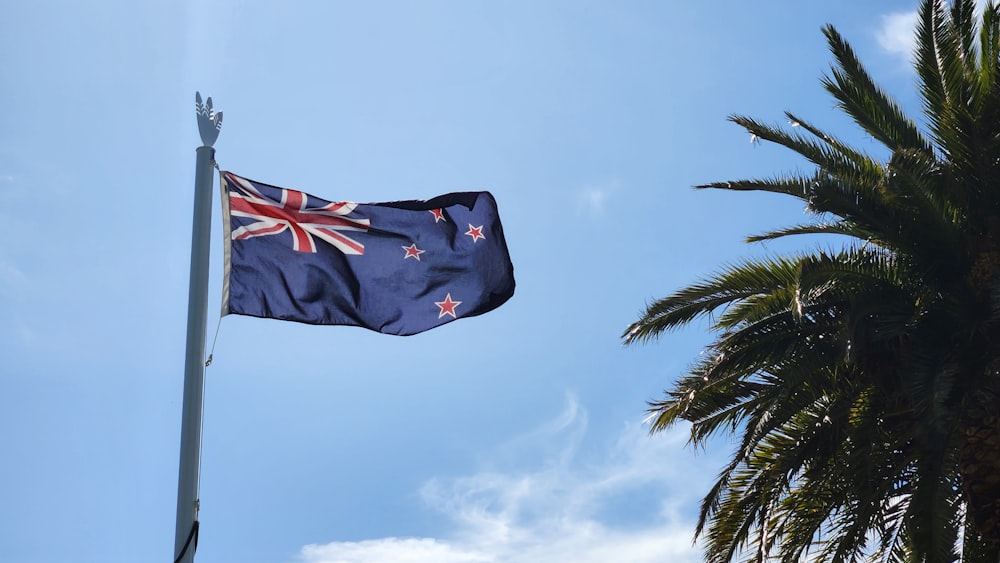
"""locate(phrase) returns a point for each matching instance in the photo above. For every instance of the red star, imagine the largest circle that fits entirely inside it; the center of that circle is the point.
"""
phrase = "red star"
(413, 252)
(438, 215)
(447, 306)
(475, 232)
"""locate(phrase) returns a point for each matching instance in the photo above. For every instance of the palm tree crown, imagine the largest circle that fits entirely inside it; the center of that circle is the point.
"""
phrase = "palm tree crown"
(863, 385)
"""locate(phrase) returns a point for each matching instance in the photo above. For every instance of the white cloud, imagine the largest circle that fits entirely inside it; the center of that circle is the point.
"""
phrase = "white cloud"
(396, 550)
(897, 34)
(592, 200)
(565, 510)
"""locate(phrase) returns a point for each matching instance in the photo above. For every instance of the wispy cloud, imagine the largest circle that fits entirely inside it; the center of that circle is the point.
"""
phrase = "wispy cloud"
(564, 510)
(593, 200)
(897, 34)
(401, 550)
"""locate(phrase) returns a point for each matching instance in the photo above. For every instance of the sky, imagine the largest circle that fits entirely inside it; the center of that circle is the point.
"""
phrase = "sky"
(513, 437)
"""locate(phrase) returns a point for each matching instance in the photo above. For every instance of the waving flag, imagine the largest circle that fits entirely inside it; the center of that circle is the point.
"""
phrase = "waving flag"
(397, 268)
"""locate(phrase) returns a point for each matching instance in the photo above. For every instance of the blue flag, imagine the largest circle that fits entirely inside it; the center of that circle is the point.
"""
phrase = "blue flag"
(397, 268)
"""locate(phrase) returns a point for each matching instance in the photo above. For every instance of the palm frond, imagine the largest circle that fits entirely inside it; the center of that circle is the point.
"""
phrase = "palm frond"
(838, 228)
(836, 160)
(870, 107)
(687, 304)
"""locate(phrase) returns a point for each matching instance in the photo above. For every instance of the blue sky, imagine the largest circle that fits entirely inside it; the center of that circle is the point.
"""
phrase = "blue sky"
(513, 437)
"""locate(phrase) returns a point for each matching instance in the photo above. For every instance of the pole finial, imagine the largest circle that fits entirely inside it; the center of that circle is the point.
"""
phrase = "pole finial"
(209, 122)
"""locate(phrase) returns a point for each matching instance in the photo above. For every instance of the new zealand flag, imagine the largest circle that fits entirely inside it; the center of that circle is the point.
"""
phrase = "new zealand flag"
(397, 268)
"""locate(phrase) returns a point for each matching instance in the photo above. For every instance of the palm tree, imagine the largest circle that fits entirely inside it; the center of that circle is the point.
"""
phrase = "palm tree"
(862, 385)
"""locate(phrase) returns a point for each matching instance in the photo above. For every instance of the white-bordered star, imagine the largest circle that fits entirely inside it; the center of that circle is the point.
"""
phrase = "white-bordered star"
(438, 215)
(412, 252)
(475, 232)
(447, 306)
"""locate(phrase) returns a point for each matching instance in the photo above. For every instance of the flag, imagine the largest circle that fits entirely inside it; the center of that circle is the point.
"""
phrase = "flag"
(398, 268)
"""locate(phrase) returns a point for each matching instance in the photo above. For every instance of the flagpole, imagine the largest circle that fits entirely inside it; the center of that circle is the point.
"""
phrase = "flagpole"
(186, 532)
